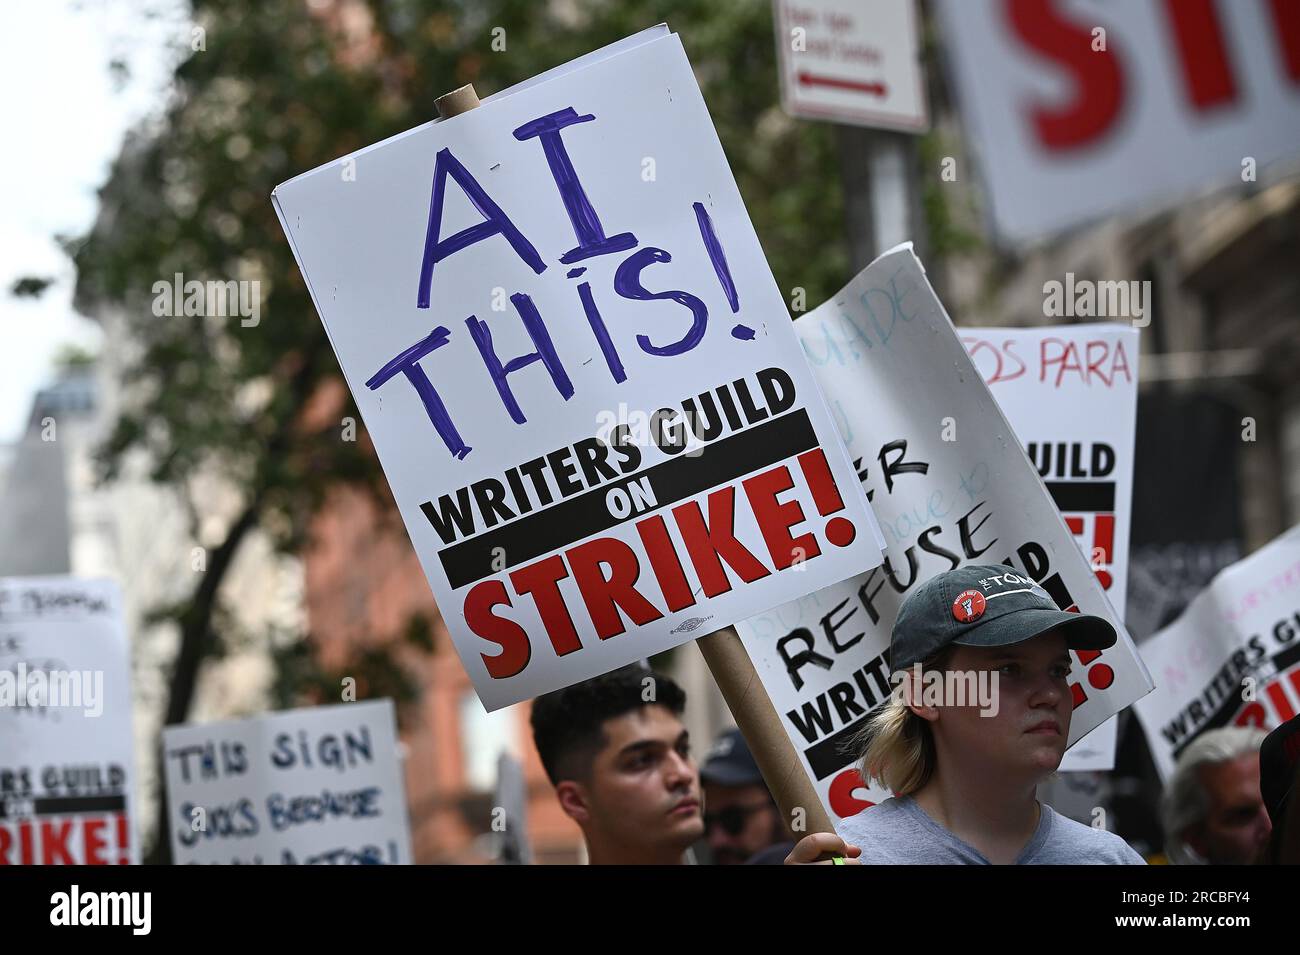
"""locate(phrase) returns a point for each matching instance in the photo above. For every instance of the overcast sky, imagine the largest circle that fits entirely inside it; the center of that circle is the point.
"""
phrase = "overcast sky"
(63, 118)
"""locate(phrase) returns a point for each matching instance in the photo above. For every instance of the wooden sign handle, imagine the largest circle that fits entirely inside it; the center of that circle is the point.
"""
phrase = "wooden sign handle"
(457, 101)
(760, 724)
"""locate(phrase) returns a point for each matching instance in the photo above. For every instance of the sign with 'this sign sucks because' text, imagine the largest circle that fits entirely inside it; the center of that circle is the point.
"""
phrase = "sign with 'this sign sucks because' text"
(578, 372)
(314, 786)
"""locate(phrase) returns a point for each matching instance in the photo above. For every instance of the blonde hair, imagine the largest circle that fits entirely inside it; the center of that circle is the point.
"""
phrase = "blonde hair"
(897, 746)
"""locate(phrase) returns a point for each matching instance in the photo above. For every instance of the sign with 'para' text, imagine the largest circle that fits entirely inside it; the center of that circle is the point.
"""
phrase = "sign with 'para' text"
(1070, 392)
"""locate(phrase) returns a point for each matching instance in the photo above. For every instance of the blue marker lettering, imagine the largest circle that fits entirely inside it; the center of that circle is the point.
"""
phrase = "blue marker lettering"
(408, 364)
(592, 240)
(627, 283)
(545, 353)
(496, 222)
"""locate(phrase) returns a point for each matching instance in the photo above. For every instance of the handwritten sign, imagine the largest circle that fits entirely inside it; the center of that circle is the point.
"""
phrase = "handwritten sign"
(1070, 393)
(1232, 658)
(950, 485)
(316, 786)
(578, 372)
(67, 768)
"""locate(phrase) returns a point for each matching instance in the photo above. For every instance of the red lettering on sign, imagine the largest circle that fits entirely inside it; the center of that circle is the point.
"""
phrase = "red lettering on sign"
(843, 802)
(1097, 77)
(606, 571)
(1103, 365)
(606, 596)
(710, 544)
(775, 518)
(1207, 75)
(65, 840)
(516, 651)
(541, 581)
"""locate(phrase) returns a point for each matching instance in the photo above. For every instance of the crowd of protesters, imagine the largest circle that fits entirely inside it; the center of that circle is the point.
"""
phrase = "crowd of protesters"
(964, 779)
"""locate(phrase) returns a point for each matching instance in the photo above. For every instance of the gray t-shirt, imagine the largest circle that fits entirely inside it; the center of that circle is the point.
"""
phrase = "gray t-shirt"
(898, 832)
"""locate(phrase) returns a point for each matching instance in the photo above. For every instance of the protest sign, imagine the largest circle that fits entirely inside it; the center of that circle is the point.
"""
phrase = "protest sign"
(67, 768)
(1087, 109)
(1232, 658)
(1070, 393)
(951, 486)
(315, 786)
(578, 372)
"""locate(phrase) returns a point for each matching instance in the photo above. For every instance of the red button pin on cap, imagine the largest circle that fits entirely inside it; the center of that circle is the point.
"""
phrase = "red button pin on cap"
(968, 606)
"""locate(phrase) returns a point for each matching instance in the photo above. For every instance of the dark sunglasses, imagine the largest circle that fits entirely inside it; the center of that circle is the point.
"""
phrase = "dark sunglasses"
(732, 819)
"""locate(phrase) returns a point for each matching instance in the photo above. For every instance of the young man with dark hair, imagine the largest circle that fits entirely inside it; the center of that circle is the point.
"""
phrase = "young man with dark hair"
(620, 759)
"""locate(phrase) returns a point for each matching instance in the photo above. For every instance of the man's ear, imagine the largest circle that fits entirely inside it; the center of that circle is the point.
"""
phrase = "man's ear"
(574, 801)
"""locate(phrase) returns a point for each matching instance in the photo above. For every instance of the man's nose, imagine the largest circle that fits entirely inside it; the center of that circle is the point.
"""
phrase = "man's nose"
(680, 771)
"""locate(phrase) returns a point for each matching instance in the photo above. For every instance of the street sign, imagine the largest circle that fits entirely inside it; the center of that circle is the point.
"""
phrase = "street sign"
(852, 61)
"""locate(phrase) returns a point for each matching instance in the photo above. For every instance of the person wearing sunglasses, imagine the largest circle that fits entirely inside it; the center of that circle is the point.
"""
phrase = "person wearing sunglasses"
(741, 820)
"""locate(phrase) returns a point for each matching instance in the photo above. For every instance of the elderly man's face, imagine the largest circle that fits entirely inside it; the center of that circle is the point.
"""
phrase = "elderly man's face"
(1237, 826)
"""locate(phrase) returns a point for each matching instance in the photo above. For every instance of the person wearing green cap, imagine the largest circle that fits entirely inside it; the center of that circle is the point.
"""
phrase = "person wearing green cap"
(965, 773)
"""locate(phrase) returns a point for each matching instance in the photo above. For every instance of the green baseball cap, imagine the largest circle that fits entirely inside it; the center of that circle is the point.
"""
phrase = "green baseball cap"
(985, 605)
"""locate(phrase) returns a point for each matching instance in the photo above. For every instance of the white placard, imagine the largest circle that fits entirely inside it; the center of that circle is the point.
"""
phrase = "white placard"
(67, 764)
(852, 61)
(1232, 658)
(315, 786)
(1070, 393)
(1071, 124)
(950, 485)
(578, 372)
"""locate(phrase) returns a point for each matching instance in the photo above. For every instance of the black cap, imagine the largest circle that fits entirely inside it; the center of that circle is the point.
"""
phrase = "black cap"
(730, 763)
(985, 605)
(1277, 768)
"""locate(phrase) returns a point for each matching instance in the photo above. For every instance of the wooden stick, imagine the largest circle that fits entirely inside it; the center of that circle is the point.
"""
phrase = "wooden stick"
(760, 724)
(457, 101)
